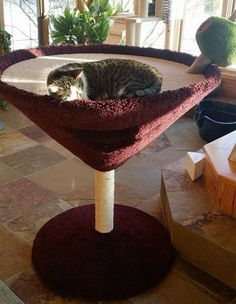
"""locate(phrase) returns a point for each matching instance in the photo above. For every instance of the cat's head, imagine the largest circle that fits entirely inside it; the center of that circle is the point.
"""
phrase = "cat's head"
(63, 89)
(68, 87)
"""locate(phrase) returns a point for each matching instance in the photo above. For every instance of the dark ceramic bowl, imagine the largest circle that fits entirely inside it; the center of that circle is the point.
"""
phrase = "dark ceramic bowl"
(215, 119)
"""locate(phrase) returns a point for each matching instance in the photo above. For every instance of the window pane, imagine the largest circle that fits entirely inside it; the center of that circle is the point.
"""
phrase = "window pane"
(21, 22)
(153, 34)
(196, 11)
(56, 7)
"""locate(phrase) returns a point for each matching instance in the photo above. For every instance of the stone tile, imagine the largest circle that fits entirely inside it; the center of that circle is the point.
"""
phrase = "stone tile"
(12, 142)
(116, 302)
(219, 291)
(33, 159)
(35, 133)
(137, 178)
(183, 135)
(83, 195)
(30, 290)
(27, 226)
(68, 179)
(178, 165)
(28, 287)
(174, 289)
(162, 158)
(177, 181)
(6, 129)
(151, 205)
(14, 118)
(186, 205)
(53, 145)
(14, 254)
(199, 220)
(159, 144)
(7, 174)
(81, 301)
(20, 197)
(219, 230)
(7, 296)
(126, 196)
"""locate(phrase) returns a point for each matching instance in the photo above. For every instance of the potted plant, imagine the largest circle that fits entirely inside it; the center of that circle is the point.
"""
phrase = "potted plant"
(5, 46)
(90, 26)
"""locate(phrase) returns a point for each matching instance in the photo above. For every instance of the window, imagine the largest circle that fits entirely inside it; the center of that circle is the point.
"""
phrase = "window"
(195, 12)
(21, 22)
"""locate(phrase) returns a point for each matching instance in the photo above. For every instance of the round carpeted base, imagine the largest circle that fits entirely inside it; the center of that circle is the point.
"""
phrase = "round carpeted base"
(74, 260)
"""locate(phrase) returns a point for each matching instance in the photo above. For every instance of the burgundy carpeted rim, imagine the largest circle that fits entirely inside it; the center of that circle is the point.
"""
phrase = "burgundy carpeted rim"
(74, 260)
(106, 133)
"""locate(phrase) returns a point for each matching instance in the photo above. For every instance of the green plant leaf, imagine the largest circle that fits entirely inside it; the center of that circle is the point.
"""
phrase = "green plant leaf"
(90, 26)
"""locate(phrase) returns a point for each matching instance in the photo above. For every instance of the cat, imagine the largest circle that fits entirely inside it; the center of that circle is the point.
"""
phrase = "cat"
(104, 79)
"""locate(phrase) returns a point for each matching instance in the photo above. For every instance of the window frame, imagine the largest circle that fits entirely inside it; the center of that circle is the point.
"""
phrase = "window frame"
(228, 74)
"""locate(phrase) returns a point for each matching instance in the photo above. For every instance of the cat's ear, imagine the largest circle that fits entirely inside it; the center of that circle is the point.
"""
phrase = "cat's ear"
(76, 72)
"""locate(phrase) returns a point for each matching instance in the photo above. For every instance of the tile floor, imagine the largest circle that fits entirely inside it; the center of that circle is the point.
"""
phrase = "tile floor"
(39, 179)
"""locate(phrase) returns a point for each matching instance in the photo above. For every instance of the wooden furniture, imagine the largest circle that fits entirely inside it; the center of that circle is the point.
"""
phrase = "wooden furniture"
(220, 173)
(132, 22)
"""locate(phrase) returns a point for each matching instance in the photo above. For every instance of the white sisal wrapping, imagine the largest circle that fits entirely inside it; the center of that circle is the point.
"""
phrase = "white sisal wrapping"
(104, 201)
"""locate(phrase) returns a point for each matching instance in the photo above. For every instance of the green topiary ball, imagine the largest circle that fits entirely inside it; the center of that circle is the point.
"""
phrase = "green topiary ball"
(216, 38)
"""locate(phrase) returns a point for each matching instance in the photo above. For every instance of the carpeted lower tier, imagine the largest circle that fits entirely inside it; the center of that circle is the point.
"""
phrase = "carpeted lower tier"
(75, 260)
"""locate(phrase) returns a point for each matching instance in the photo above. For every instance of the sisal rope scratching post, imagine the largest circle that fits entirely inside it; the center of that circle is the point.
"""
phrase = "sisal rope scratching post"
(104, 201)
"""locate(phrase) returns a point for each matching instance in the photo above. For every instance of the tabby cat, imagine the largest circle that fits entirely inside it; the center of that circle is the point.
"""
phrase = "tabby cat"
(105, 79)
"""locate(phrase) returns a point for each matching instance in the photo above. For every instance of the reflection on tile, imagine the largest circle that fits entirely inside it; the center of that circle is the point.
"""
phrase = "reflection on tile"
(7, 174)
(28, 225)
(33, 159)
(20, 197)
(53, 145)
(12, 142)
(14, 254)
(35, 133)
(66, 178)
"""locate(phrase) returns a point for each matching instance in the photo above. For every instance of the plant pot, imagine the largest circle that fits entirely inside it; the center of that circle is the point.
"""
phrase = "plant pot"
(215, 119)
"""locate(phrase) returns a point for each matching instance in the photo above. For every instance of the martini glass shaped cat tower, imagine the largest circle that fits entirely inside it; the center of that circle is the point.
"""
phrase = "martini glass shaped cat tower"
(107, 251)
